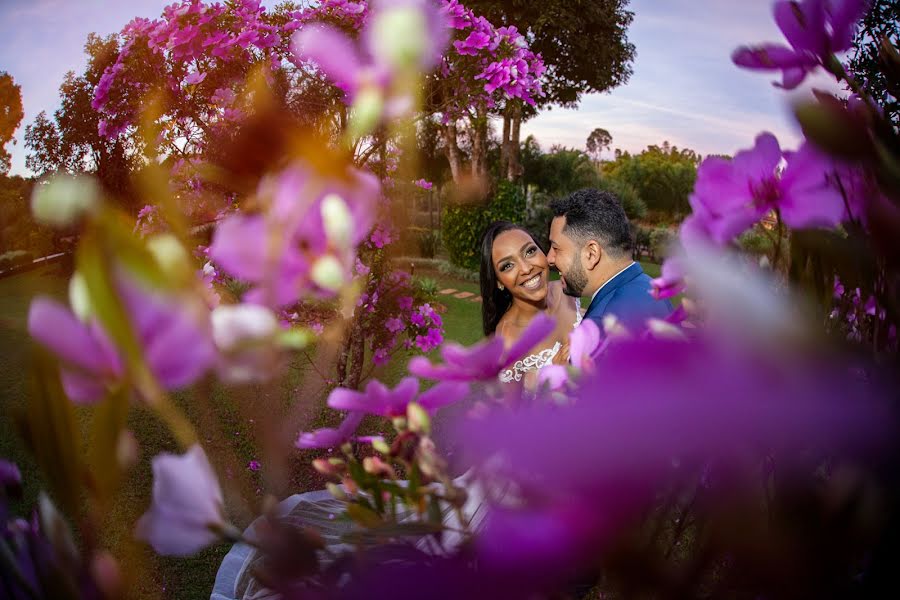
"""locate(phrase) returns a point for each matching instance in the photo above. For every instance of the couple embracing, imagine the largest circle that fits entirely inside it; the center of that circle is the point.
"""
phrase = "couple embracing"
(590, 246)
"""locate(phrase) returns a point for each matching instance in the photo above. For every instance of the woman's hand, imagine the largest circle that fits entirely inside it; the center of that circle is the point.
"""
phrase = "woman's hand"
(562, 357)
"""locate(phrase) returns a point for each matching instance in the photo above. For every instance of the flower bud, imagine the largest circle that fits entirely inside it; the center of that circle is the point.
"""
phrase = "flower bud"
(169, 255)
(366, 111)
(236, 324)
(323, 466)
(338, 221)
(328, 273)
(418, 418)
(336, 491)
(375, 466)
(399, 36)
(79, 298)
(381, 446)
(350, 486)
(64, 199)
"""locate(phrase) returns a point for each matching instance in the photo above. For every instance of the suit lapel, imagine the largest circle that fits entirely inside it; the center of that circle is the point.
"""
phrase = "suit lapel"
(612, 285)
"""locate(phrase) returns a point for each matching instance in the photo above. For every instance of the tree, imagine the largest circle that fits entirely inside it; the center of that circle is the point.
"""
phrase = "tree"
(663, 177)
(597, 142)
(72, 140)
(870, 63)
(584, 46)
(10, 116)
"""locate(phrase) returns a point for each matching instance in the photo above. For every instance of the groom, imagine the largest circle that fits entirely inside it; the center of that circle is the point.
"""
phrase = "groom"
(590, 245)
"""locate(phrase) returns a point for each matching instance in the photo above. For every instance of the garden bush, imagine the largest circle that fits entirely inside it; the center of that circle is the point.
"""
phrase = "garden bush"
(660, 240)
(462, 225)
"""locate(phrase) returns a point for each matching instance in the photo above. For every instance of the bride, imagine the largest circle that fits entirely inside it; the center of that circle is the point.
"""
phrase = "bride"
(515, 287)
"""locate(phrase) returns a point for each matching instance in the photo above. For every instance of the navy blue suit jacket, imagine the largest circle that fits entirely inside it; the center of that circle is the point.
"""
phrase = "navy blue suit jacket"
(627, 296)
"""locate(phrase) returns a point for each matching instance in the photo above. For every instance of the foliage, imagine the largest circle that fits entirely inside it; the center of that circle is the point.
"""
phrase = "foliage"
(871, 59)
(597, 142)
(584, 44)
(11, 114)
(558, 172)
(71, 140)
(663, 177)
(18, 229)
(451, 270)
(757, 242)
(463, 225)
(660, 242)
(634, 206)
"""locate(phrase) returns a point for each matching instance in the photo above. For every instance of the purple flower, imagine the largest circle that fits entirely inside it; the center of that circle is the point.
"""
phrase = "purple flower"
(730, 196)
(425, 185)
(187, 504)
(378, 399)
(253, 465)
(329, 437)
(381, 357)
(10, 480)
(815, 30)
(399, 35)
(483, 361)
(304, 242)
(393, 325)
(585, 344)
(651, 402)
(671, 280)
(177, 347)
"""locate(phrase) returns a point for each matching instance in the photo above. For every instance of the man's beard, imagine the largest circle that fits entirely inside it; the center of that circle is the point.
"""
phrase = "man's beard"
(576, 280)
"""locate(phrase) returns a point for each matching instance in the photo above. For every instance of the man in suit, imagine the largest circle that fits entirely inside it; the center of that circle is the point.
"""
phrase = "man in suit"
(590, 245)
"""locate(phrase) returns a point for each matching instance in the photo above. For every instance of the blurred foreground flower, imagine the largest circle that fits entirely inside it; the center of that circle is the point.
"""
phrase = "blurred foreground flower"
(482, 361)
(186, 513)
(815, 29)
(175, 342)
(305, 239)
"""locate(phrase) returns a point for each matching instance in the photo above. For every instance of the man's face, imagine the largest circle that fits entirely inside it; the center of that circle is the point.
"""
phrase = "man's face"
(565, 255)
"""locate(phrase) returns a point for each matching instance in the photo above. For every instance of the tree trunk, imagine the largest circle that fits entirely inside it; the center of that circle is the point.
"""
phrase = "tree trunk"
(514, 169)
(479, 143)
(504, 142)
(454, 154)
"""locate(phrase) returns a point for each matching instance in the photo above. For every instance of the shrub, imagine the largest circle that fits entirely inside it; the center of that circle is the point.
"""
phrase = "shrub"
(660, 240)
(428, 241)
(426, 288)
(757, 243)
(635, 208)
(463, 225)
(450, 270)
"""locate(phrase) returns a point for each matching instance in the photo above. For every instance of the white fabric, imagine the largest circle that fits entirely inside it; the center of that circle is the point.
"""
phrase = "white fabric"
(535, 362)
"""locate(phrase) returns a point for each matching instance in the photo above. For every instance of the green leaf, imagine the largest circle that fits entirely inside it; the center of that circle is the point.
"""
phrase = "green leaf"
(107, 426)
(364, 516)
(50, 430)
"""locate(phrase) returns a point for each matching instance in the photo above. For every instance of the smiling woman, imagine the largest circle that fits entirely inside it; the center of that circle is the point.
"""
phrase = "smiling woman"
(515, 288)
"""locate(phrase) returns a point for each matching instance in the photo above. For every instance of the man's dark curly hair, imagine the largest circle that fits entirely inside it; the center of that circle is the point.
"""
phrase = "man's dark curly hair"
(595, 215)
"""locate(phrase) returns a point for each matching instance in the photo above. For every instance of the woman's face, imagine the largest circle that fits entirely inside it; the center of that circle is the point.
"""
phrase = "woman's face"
(520, 265)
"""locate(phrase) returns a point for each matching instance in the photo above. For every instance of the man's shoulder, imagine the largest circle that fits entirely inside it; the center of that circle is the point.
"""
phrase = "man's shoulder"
(634, 301)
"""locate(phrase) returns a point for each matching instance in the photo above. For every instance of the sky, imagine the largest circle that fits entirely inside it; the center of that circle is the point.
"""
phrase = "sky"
(684, 89)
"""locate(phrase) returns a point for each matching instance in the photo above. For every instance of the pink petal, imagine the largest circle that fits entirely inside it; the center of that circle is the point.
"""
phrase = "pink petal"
(331, 50)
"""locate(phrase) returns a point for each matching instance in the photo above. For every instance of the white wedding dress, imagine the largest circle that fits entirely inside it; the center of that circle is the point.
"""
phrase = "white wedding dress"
(536, 362)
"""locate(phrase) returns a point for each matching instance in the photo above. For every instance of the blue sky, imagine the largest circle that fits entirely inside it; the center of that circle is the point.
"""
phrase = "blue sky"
(684, 88)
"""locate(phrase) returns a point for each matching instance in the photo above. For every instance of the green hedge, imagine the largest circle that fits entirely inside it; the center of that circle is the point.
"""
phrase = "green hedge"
(462, 226)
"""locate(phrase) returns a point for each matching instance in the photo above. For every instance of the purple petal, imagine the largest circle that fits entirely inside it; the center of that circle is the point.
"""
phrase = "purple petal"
(583, 342)
(758, 163)
(238, 246)
(75, 343)
(331, 50)
(82, 388)
(809, 199)
(844, 15)
(443, 394)
(803, 24)
(331, 438)
(539, 328)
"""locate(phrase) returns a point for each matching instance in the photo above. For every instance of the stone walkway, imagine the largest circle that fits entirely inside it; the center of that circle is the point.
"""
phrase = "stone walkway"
(461, 295)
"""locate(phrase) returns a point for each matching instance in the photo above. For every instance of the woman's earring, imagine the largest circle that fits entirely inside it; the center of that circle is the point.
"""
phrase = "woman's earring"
(500, 285)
